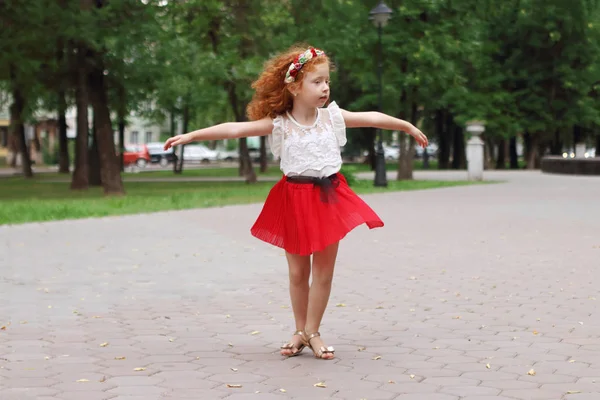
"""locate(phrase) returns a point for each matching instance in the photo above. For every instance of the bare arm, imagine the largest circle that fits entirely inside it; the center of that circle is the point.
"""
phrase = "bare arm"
(227, 130)
(382, 121)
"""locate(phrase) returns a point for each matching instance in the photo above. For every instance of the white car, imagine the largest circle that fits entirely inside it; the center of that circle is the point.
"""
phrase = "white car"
(199, 153)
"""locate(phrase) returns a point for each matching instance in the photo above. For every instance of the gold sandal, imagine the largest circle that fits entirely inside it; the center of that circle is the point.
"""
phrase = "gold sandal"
(322, 350)
(292, 346)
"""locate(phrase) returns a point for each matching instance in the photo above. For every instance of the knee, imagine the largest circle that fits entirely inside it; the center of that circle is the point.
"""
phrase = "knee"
(323, 276)
(299, 276)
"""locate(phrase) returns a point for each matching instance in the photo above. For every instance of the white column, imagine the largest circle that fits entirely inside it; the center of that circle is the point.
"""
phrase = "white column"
(580, 150)
(475, 154)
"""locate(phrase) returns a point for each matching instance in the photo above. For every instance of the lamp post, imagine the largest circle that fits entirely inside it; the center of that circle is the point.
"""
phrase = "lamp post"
(380, 16)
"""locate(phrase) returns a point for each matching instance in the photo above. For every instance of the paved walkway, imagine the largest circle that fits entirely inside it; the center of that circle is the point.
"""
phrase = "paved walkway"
(468, 293)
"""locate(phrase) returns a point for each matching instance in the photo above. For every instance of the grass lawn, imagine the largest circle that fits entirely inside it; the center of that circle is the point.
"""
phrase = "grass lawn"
(272, 171)
(41, 200)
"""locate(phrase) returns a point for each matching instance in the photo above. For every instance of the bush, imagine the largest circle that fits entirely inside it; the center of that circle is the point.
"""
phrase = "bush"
(348, 173)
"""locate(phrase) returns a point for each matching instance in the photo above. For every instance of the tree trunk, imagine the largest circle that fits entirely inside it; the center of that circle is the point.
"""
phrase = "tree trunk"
(514, 157)
(121, 143)
(531, 148)
(501, 160)
(557, 144)
(178, 165)
(13, 144)
(80, 178)
(371, 156)
(598, 146)
(246, 162)
(36, 146)
(95, 176)
(18, 128)
(121, 123)
(489, 152)
(407, 152)
(459, 158)
(109, 165)
(263, 154)
(442, 123)
(63, 143)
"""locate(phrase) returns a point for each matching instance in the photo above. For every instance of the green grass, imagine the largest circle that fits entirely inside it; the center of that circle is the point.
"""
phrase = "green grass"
(40, 200)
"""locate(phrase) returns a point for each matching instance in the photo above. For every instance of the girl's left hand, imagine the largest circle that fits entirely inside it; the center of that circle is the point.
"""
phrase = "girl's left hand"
(419, 137)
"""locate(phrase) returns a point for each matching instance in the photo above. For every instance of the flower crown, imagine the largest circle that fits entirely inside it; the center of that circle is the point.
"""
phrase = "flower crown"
(299, 62)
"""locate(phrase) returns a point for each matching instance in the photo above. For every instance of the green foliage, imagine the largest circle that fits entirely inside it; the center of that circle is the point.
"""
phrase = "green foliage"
(520, 65)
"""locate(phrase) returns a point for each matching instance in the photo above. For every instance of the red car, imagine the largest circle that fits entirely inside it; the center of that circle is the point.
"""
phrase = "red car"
(136, 154)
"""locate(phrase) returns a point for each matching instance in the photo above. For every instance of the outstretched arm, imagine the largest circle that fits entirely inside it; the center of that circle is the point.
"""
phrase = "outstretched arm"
(383, 121)
(228, 130)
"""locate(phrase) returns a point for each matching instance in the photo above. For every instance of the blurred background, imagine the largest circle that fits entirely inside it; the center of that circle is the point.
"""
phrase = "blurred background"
(90, 89)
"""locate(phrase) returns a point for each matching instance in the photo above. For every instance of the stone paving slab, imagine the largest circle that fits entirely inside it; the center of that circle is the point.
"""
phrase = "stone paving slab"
(469, 293)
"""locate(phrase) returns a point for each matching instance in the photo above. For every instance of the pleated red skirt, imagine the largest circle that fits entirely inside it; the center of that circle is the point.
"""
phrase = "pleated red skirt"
(302, 219)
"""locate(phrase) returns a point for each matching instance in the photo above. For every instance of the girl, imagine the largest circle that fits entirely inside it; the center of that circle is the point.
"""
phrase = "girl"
(311, 208)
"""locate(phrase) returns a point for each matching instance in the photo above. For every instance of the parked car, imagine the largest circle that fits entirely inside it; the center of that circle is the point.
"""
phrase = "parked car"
(432, 149)
(228, 155)
(159, 155)
(136, 154)
(199, 153)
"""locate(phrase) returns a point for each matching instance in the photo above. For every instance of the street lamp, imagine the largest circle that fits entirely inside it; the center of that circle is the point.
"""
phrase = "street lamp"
(380, 16)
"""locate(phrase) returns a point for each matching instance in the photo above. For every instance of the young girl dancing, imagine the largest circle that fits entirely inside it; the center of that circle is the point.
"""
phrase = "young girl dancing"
(312, 207)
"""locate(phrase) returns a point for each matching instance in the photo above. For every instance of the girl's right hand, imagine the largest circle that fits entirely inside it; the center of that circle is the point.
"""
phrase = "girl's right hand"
(177, 140)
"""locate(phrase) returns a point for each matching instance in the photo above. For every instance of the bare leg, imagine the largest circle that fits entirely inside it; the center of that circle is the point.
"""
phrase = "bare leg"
(322, 270)
(299, 269)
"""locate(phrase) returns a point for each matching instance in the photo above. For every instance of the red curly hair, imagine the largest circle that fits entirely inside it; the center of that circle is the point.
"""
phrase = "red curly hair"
(272, 96)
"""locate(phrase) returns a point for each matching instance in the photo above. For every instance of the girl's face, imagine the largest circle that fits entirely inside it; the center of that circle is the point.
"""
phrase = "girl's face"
(314, 91)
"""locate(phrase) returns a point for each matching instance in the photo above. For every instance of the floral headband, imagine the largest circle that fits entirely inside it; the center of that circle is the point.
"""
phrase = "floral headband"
(299, 62)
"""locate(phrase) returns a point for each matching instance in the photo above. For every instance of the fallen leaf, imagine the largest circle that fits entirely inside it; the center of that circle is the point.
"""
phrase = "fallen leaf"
(119, 358)
(535, 332)
(571, 361)
(362, 348)
(379, 308)
(488, 366)
(234, 369)
(23, 322)
(104, 344)
(457, 317)
(230, 344)
(531, 372)
(282, 390)
(171, 340)
(580, 323)
(390, 381)
(96, 316)
(377, 358)
(234, 386)
(340, 305)
(228, 316)
(413, 278)
(49, 306)
(82, 380)
(139, 369)
(412, 376)
(320, 385)
(3, 328)
(103, 379)
(573, 391)
(255, 333)
(46, 358)
(285, 306)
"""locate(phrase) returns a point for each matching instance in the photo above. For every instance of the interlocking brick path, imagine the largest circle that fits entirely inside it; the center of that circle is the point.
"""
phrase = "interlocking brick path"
(473, 293)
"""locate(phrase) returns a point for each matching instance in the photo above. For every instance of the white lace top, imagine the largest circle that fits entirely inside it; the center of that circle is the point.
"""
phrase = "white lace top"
(309, 150)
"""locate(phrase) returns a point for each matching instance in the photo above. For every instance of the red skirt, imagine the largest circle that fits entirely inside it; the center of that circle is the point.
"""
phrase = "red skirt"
(306, 217)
